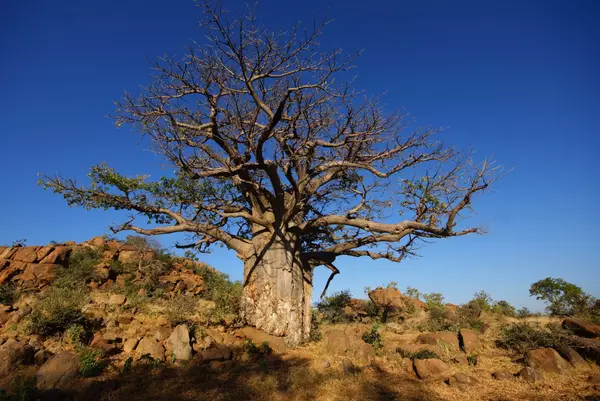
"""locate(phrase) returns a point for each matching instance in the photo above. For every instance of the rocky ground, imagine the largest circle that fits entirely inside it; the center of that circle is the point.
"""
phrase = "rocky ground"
(127, 322)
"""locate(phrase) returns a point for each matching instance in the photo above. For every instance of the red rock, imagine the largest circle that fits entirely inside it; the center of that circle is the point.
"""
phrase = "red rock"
(57, 256)
(430, 369)
(442, 338)
(27, 254)
(44, 251)
(547, 360)
(469, 340)
(581, 327)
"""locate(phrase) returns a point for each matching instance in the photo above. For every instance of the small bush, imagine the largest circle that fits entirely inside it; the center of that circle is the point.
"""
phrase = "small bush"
(226, 294)
(254, 350)
(472, 359)
(420, 354)
(373, 337)
(521, 337)
(58, 309)
(332, 307)
(8, 293)
(180, 309)
(504, 308)
(483, 300)
(90, 361)
(75, 335)
(80, 269)
(315, 327)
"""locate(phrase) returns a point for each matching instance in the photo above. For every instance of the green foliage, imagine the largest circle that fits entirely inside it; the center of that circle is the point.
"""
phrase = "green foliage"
(483, 300)
(226, 294)
(90, 363)
(332, 307)
(504, 308)
(521, 337)
(393, 285)
(434, 300)
(75, 335)
(420, 354)
(373, 337)
(561, 297)
(19, 242)
(58, 309)
(315, 327)
(180, 309)
(524, 312)
(22, 388)
(257, 351)
(8, 293)
(413, 293)
(127, 366)
(472, 359)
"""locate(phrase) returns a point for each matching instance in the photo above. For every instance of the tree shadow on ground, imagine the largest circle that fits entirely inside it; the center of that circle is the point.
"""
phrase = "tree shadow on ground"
(271, 378)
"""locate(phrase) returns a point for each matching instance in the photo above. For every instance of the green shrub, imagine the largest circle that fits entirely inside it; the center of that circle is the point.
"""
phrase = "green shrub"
(58, 309)
(226, 294)
(315, 327)
(420, 354)
(180, 309)
(80, 269)
(472, 359)
(90, 363)
(76, 335)
(8, 293)
(373, 337)
(483, 300)
(255, 350)
(521, 337)
(434, 300)
(332, 307)
(22, 388)
(504, 308)
(413, 293)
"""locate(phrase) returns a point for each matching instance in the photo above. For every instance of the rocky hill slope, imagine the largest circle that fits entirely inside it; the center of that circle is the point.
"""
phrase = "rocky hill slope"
(111, 320)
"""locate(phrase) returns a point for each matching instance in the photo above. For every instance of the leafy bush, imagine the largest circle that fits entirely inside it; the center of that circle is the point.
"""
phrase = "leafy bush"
(90, 361)
(332, 307)
(521, 337)
(58, 309)
(226, 294)
(420, 354)
(434, 300)
(413, 293)
(472, 359)
(8, 293)
(504, 308)
(80, 269)
(255, 350)
(76, 335)
(315, 328)
(179, 309)
(373, 337)
(483, 300)
(563, 298)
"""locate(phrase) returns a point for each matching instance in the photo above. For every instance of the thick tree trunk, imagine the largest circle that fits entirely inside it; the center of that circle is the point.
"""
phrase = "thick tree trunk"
(277, 291)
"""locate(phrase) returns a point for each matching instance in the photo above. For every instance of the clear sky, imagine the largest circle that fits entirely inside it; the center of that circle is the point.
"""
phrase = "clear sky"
(519, 80)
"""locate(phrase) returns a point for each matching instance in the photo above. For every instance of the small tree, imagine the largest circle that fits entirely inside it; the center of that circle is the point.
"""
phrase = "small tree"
(561, 297)
(283, 162)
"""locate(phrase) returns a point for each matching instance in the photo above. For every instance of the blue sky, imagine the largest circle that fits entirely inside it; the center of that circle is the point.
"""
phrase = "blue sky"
(518, 80)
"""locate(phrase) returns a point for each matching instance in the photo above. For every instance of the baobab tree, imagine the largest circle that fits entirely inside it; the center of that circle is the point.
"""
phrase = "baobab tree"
(282, 164)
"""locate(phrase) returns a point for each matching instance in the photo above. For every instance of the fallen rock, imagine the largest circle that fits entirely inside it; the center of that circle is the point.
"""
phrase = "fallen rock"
(502, 375)
(582, 327)
(277, 344)
(58, 371)
(149, 346)
(339, 342)
(586, 347)
(460, 359)
(430, 369)
(14, 353)
(178, 344)
(547, 360)
(162, 333)
(448, 339)
(461, 381)
(349, 367)
(215, 354)
(117, 299)
(469, 341)
(530, 374)
(574, 358)
(130, 344)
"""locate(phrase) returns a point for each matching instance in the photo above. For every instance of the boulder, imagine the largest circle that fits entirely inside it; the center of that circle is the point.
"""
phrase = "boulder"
(461, 381)
(215, 354)
(58, 371)
(58, 256)
(502, 375)
(130, 344)
(586, 347)
(97, 242)
(14, 353)
(27, 254)
(448, 339)
(339, 342)
(581, 327)
(389, 299)
(149, 346)
(469, 340)
(574, 358)
(546, 360)
(178, 344)
(162, 333)
(44, 251)
(277, 344)
(530, 374)
(430, 369)
(117, 299)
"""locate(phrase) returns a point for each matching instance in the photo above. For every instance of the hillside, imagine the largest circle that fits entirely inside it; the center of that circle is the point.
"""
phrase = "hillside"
(111, 320)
